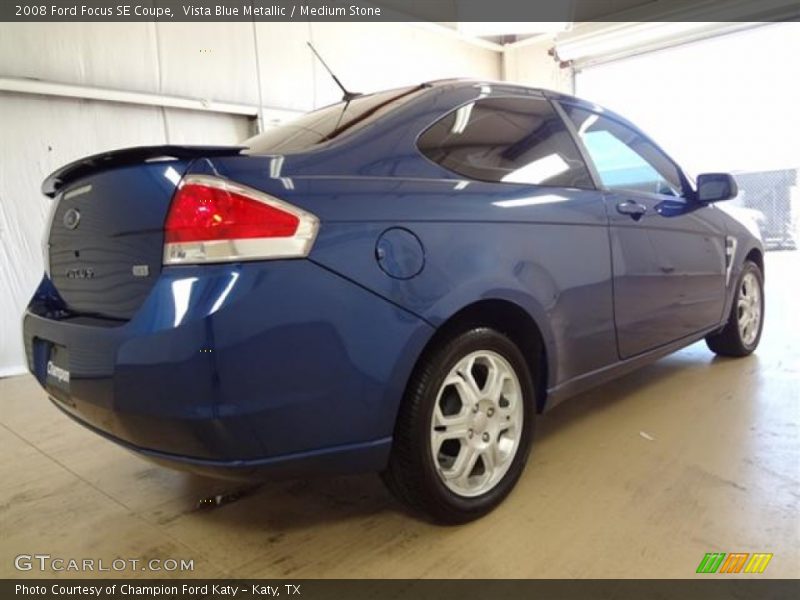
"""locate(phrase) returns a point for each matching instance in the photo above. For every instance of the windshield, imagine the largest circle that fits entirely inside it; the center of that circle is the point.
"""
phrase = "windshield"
(328, 123)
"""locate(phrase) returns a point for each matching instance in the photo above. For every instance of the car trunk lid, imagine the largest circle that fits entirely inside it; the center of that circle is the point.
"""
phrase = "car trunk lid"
(105, 242)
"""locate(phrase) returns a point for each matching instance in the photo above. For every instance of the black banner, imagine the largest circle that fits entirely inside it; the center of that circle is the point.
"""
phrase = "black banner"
(395, 10)
(715, 587)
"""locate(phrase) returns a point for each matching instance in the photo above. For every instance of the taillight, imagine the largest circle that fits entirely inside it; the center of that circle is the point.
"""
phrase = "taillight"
(216, 220)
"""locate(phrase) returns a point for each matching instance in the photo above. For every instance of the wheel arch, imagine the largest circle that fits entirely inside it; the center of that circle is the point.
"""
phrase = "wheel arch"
(512, 320)
(757, 256)
(753, 252)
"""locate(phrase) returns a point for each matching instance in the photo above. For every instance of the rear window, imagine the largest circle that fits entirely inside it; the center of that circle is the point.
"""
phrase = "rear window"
(507, 139)
(328, 123)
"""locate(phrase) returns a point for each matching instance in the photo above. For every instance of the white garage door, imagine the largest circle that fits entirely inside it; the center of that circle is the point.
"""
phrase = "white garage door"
(728, 103)
(41, 134)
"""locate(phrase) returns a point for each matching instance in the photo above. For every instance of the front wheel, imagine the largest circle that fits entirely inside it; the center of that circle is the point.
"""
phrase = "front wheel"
(464, 429)
(742, 332)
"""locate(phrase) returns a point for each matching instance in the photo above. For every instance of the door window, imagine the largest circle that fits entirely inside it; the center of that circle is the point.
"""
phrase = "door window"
(623, 157)
(512, 139)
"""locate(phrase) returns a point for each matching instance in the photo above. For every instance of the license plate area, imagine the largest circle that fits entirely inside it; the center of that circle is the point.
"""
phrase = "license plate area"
(56, 368)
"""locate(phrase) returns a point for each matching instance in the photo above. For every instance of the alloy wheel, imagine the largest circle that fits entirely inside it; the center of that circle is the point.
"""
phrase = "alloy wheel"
(476, 423)
(749, 309)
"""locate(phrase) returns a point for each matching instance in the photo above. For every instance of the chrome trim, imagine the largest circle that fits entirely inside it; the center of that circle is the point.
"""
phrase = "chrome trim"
(71, 218)
(730, 257)
(218, 251)
(140, 270)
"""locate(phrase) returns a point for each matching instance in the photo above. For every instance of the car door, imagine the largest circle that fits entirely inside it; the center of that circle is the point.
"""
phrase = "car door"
(668, 253)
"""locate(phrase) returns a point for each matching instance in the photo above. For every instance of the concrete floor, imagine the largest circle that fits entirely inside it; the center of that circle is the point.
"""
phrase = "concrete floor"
(598, 499)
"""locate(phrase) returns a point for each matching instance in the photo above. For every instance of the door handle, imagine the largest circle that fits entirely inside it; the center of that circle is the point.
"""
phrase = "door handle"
(631, 208)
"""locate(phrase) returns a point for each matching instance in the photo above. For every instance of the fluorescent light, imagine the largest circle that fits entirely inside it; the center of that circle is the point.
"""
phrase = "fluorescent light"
(172, 175)
(603, 39)
(462, 118)
(538, 171)
(221, 298)
(591, 120)
(535, 201)
(181, 292)
(276, 166)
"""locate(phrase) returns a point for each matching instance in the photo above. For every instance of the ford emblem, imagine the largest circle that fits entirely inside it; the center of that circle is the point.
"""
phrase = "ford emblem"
(71, 218)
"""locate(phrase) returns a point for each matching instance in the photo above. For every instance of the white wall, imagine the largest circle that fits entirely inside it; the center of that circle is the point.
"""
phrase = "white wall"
(530, 64)
(218, 60)
(244, 63)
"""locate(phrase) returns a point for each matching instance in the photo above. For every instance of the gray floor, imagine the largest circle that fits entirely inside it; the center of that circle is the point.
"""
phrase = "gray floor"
(638, 478)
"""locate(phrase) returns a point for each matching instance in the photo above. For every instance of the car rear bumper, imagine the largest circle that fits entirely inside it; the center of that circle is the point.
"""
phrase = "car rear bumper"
(255, 369)
(339, 460)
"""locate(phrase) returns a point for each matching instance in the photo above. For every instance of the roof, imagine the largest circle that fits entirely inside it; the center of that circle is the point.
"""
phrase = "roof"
(470, 82)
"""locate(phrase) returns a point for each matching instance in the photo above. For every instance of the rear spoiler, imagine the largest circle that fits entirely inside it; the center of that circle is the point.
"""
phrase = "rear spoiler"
(127, 156)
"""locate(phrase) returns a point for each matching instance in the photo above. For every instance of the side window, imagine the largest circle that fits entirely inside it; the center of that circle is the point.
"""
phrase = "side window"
(623, 157)
(513, 140)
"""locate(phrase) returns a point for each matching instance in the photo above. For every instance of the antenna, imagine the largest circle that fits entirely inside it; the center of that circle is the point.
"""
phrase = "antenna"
(347, 95)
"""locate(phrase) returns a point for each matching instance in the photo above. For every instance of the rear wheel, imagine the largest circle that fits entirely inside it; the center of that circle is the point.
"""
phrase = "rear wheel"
(464, 428)
(742, 332)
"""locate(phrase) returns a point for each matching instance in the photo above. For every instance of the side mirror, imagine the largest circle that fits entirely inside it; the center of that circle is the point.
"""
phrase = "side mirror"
(716, 187)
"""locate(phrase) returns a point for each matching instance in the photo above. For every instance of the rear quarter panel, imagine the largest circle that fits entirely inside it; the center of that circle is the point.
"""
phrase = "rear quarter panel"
(544, 249)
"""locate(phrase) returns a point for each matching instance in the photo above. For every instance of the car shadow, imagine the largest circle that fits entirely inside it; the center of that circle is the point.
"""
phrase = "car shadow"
(290, 505)
(282, 506)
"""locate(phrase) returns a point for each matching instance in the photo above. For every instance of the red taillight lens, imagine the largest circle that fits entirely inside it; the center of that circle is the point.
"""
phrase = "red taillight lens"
(201, 213)
(215, 220)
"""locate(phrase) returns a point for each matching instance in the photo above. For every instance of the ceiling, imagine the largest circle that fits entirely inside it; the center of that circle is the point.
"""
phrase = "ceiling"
(571, 11)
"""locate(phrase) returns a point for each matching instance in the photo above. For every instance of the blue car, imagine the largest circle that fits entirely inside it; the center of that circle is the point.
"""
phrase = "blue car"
(397, 283)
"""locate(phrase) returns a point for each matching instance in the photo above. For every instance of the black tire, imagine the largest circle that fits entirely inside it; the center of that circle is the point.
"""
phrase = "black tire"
(729, 340)
(412, 475)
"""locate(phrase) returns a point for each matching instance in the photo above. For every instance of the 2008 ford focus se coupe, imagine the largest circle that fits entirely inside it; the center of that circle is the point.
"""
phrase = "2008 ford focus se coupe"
(398, 283)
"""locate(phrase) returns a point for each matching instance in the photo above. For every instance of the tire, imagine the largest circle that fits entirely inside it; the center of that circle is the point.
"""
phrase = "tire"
(488, 447)
(735, 340)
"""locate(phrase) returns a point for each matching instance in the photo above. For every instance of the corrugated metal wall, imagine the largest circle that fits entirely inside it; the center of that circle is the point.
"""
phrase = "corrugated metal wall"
(244, 63)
